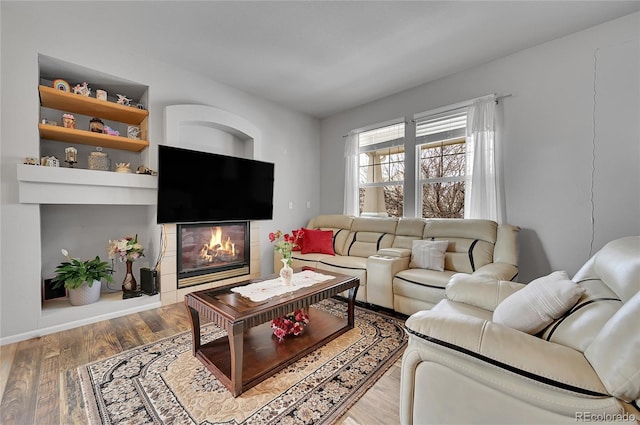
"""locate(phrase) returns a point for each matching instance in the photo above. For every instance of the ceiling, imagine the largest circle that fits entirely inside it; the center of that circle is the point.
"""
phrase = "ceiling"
(323, 57)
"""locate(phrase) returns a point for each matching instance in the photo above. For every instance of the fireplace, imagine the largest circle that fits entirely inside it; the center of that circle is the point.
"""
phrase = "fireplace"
(212, 251)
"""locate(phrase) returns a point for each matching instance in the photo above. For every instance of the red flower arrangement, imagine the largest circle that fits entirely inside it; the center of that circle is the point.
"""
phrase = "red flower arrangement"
(292, 323)
(285, 243)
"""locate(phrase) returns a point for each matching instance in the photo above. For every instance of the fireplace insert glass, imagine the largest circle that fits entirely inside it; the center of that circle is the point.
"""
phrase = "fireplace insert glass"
(212, 251)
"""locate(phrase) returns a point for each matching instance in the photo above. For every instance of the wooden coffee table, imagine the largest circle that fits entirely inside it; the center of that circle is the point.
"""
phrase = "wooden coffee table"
(250, 353)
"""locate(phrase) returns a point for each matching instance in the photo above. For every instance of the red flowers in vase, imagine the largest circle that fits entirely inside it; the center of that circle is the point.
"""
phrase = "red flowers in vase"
(292, 323)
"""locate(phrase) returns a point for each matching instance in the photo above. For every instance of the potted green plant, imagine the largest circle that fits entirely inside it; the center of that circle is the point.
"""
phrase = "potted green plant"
(82, 278)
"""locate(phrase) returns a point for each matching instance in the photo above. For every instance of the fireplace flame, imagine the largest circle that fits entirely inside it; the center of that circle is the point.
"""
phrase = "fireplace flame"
(217, 248)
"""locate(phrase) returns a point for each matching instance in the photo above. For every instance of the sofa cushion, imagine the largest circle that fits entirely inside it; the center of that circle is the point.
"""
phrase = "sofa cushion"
(351, 266)
(368, 235)
(318, 241)
(617, 266)
(609, 277)
(428, 254)
(471, 241)
(408, 230)
(614, 353)
(425, 285)
(578, 327)
(426, 278)
(481, 291)
(448, 306)
(306, 260)
(536, 305)
(345, 262)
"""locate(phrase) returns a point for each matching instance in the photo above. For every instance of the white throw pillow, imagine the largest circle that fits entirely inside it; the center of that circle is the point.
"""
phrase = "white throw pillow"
(542, 301)
(428, 254)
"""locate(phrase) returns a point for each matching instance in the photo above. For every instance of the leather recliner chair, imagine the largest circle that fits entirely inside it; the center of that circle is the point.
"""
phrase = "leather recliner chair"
(461, 367)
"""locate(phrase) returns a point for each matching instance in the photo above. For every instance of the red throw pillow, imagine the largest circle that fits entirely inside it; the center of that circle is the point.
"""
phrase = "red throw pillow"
(300, 239)
(318, 241)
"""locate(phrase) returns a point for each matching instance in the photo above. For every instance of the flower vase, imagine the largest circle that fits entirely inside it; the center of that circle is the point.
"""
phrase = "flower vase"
(129, 284)
(286, 272)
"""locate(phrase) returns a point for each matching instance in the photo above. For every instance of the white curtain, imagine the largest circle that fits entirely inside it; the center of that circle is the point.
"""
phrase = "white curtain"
(351, 198)
(482, 191)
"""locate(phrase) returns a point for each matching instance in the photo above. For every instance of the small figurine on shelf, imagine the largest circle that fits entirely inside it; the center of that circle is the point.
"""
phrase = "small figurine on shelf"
(71, 156)
(145, 170)
(123, 100)
(30, 161)
(82, 89)
(110, 131)
(68, 121)
(101, 94)
(123, 167)
(48, 122)
(96, 125)
(60, 84)
(52, 161)
(133, 132)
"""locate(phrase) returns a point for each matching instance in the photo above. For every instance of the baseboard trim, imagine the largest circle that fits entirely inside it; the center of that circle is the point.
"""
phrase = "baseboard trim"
(37, 333)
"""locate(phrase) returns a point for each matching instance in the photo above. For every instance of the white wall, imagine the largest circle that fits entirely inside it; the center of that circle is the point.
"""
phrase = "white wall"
(55, 29)
(548, 140)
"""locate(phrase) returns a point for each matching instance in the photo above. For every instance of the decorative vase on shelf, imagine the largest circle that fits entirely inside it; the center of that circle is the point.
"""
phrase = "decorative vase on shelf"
(286, 272)
(129, 284)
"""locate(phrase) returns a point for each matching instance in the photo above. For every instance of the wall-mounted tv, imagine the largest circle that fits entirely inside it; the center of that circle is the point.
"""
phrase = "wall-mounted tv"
(198, 186)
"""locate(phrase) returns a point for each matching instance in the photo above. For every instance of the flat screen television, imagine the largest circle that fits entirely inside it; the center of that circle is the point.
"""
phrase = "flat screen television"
(198, 186)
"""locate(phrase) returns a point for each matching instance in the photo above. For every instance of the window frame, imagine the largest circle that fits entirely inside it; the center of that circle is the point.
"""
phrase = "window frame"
(389, 145)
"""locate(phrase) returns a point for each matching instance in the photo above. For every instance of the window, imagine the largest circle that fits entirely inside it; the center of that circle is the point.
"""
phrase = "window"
(440, 166)
(381, 171)
(440, 154)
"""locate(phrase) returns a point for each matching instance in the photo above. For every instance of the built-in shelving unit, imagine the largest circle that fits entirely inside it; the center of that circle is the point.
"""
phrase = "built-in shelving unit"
(82, 137)
(74, 103)
(70, 102)
(64, 190)
(59, 314)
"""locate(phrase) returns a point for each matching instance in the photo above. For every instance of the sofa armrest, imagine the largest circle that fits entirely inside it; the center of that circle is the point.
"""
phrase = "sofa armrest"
(470, 339)
(380, 272)
(395, 252)
(480, 291)
(498, 271)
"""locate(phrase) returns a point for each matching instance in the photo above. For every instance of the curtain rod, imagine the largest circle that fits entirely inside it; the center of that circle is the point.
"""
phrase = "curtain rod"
(502, 97)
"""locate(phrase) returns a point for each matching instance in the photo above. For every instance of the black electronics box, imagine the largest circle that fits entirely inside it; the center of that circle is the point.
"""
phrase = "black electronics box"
(149, 281)
(48, 293)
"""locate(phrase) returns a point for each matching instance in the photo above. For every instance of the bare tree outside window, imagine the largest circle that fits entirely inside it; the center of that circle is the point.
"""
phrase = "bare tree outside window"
(442, 169)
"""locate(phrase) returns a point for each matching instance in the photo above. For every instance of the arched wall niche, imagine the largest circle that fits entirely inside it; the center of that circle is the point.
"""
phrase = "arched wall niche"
(209, 129)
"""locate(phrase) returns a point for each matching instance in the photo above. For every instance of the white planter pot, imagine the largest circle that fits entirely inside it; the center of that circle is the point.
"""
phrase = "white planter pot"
(84, 294)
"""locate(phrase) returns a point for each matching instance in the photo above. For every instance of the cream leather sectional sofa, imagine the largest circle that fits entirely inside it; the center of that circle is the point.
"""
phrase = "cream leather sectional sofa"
(378, 252)
(461, 366)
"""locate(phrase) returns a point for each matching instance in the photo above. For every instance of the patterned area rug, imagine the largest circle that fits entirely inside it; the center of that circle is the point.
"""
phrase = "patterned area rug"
(163, 383)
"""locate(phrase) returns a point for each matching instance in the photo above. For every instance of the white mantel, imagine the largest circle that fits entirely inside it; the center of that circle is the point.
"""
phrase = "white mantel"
(58, 185)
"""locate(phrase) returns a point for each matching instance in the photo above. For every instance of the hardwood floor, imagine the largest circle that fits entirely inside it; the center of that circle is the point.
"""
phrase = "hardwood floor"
(39, 382)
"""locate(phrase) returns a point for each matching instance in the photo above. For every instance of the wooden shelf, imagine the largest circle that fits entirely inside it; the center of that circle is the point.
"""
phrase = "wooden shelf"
(82, 137)
(70, 102)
